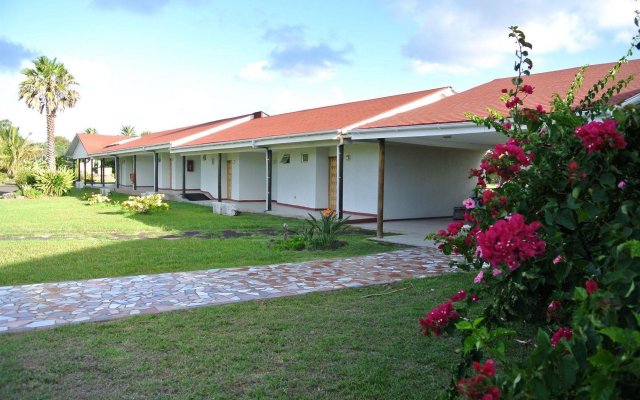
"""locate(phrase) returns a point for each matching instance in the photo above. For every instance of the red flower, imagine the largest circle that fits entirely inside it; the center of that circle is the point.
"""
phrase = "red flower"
(510, 241)
(591, 286)
(475, 298)
(461, 295)
(438, 318)
(562, 333)
(539, 108)
(573, 166)
(528, 89)
(504, 91)
(598, 135)
(552, 309)
(488, 369)
(507, 125)
(480, 386)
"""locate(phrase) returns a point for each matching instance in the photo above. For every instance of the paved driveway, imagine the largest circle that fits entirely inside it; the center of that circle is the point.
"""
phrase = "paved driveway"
(7, 189)
(47, 305)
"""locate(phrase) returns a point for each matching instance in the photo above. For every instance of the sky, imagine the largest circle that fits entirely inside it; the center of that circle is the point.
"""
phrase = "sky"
(162, 64)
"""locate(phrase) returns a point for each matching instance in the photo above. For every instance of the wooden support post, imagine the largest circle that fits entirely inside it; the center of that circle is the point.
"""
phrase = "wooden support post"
(155, 172)
(184, 176)
(380, 216)
(85, 171)
(79, 171)
(269, 155)
(102, 172)
(92, 165)
(340, 181)
(135, 177)
(219, 177)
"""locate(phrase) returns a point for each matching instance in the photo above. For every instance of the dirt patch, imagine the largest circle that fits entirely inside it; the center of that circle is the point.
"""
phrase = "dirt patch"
(230, 234)
(268, 232)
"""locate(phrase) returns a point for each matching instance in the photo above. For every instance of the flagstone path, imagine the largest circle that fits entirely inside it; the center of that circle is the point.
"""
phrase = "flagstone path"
(47, 305)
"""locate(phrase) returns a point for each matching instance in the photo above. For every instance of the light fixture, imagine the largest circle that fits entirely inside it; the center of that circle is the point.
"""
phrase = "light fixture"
(348, 157)
(204, 157)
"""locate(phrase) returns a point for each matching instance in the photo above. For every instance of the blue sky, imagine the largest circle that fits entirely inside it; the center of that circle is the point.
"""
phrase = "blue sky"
(160, 64)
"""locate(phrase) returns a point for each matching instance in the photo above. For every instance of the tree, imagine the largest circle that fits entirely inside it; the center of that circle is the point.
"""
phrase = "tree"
(15, 150)
(91, 131)
(62, 144)
(48, 88)
(128, 130)
(145, 133)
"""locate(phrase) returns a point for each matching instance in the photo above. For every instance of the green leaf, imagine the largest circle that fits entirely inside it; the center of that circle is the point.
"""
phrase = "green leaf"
(608, 180)
(566, 218)
(580, 294)
(603, 359)
(464, 325)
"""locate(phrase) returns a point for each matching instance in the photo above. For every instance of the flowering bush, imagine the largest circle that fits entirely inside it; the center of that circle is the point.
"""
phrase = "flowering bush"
(145, 204)
(97, 198)
(555, 242)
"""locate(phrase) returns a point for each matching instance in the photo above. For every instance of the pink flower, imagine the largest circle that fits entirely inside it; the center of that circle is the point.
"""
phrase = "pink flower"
(438, 318)
(597, 135)
(461, 295)
(507, 125)
(528, 89)
(539, 108)
(510, 241)
(591, 286)
(469, 204)
(496, 272)
(552, 309)
(479, 277)
(621, 184)
(562, 333)
(558, 260)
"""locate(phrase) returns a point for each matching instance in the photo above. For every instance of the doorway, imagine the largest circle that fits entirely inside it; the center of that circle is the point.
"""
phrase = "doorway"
(333, 184)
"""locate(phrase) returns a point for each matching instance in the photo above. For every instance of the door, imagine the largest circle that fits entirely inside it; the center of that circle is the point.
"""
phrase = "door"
(229, 177)
(333, 184)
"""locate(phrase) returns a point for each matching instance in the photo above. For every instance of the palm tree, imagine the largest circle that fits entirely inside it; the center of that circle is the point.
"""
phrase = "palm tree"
(91, 131)
(48, 88)
(145, 133)
(15, 150)
(128, 130)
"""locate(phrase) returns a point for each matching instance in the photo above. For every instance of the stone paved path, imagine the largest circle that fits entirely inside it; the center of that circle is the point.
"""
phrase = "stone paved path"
(46, 305)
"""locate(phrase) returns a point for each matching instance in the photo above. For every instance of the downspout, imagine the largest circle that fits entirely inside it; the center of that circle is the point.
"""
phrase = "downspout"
(340, 154)
(155, 172)
(269, 155)
(184, 176)
(220, 178)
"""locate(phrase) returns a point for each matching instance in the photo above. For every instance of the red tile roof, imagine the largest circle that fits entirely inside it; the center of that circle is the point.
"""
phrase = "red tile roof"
(479, 98)
(93, 143)
(330, 118)
(165, 137)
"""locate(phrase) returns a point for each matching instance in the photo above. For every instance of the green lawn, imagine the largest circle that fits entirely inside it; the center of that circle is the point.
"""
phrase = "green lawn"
(332, 345)
(82, 242)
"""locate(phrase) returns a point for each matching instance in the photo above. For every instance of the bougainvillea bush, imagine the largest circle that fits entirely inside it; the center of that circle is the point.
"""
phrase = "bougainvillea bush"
(554, 239)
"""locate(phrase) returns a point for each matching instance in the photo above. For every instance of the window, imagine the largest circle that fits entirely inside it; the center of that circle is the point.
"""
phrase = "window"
(304, 157)
(286, 159)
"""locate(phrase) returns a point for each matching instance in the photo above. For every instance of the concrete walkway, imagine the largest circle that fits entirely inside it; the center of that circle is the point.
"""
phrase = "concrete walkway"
(48, 305)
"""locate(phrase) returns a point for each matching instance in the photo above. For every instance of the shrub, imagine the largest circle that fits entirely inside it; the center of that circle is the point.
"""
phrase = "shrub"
(295, 243)
(97, 198)
(556, 244)
(145, 204)
(55, 183)
(324, 231)
(30, 192)
(26, 177)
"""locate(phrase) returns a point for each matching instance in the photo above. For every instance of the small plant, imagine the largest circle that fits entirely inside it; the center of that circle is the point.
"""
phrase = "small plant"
(145, 204)
(324, 231)
(30, 192)
(295, 243)
(55, 182)
(26, 177)
(97, 198)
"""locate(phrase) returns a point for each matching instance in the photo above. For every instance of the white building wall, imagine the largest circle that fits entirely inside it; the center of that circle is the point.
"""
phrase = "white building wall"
(297, 181)
(164, 171)
(193, 177)
(425, 181)
(144, 171)
(126, 168)
(251, 176)
(176, 172)
(321, 188)
(360, 176)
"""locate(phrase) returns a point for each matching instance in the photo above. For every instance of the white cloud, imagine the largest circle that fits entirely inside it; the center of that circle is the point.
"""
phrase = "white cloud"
(255, 72)
(466, 35)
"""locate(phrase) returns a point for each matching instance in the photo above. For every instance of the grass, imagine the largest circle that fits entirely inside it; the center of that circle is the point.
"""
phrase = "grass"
(81, 242)
(331, 345)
